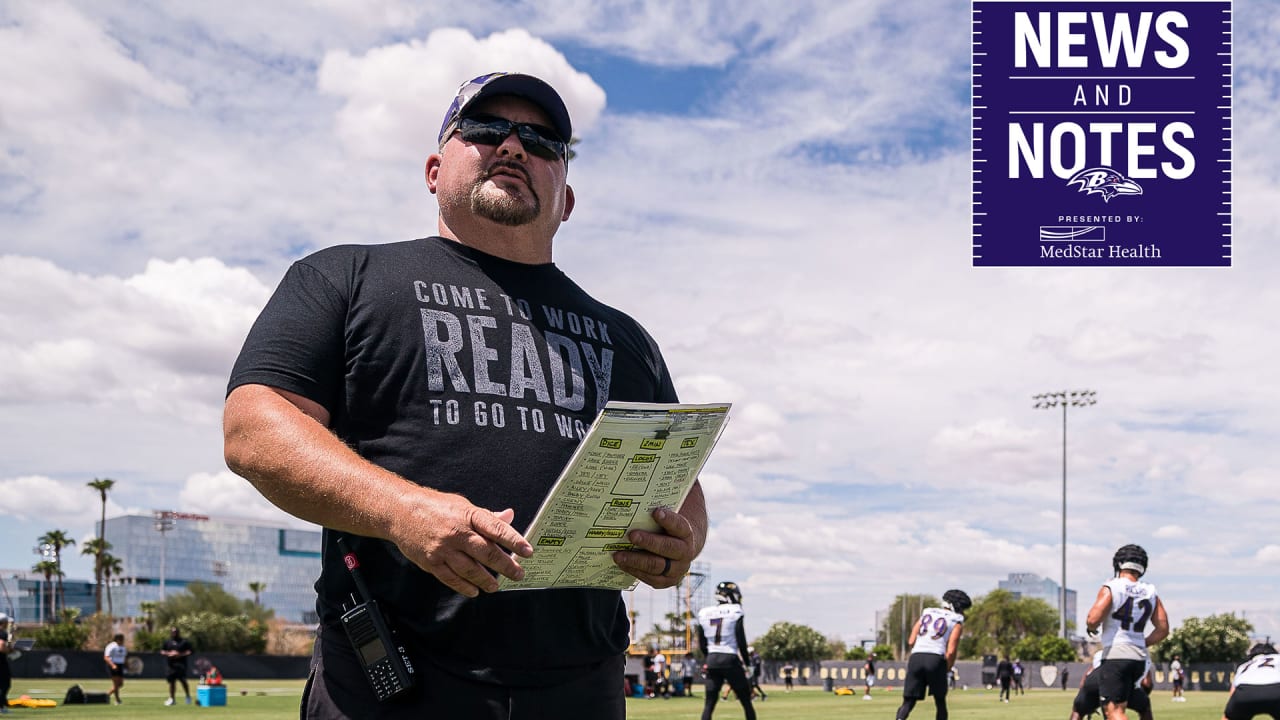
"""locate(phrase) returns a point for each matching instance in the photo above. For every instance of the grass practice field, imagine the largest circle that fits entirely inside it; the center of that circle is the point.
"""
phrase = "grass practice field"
(278, 699)
(145, 699)
(811, 703)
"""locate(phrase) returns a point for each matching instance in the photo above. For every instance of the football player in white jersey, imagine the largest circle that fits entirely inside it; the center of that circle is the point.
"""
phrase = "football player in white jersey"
(723, 642)
(1122, 610)
(1086, 702)
(1255, 689)
(934, 640)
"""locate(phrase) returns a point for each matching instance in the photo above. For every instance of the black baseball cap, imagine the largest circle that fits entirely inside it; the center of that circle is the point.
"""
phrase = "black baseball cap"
(528, 87)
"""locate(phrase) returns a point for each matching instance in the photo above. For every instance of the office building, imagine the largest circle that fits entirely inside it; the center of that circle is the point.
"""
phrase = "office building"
(1034, 586)
(25, 595)
(162, 553)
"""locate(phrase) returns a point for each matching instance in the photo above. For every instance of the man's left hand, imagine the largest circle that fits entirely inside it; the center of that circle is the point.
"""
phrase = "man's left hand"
(661, 559)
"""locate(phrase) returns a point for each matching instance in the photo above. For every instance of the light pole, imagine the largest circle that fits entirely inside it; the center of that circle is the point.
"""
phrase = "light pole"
(163, 523)
(1063, 399)
(48, 553)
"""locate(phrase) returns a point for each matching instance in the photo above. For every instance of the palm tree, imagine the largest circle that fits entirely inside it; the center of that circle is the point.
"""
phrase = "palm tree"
(148, 608)
(48, 569)
(111, 566)
(257, 588)
(58, 539)
(675, 627)
(97, 547)
(102, 485)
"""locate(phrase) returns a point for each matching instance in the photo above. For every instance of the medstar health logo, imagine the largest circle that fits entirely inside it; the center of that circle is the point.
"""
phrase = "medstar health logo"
(1105, 182)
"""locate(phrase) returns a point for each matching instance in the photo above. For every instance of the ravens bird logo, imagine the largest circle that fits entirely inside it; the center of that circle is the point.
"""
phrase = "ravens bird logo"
(1105, 182)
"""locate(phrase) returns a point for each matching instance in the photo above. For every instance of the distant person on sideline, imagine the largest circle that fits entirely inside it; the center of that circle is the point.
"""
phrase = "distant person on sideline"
(5, 677)
(1176, 674)
(934, 643)
(176, 650)
(114, 656)
(1122, 610)
(1004, 674)
(869, 675)
(686, 673)
(661, 683)
(757, 666)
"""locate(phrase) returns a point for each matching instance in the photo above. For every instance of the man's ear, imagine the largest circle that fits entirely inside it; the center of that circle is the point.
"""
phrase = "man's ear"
(433, 171)
(568, 202)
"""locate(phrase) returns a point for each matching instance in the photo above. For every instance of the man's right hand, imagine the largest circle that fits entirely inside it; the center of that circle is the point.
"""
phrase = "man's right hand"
(460, 544)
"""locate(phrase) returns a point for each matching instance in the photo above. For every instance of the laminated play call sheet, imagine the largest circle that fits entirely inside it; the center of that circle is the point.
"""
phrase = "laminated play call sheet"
(636, 458)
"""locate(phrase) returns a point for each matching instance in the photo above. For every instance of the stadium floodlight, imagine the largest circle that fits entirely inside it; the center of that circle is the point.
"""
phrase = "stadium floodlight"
(163, 524)
(48, 552)
(1064, 399)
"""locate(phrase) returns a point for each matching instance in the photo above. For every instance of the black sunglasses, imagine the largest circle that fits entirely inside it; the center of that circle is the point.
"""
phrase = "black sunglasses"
(492, 130)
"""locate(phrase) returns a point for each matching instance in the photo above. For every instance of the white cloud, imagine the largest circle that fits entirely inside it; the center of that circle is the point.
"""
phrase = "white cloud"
(83, 71)
(994, 435)
(35, 497)
(225, 494)
(1268, 555)
(718, 489)
(1104, 344)
(161, 341)
(396, 95)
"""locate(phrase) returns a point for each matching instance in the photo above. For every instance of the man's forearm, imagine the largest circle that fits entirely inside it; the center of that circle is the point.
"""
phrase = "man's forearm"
(303, 468)
(281, 443)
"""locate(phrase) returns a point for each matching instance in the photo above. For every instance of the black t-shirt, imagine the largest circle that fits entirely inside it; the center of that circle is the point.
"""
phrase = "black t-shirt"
(179, 662)
(4, 656)
(466, 373)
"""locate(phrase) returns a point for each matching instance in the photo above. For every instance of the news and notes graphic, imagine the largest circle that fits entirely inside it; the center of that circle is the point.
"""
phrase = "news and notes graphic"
(1102, 133)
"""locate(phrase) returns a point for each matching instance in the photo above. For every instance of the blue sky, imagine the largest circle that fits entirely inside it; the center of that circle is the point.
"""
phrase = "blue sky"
(795, 176)
(636, 87)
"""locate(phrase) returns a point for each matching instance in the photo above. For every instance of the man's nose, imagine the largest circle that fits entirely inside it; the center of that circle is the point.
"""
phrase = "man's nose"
(511, 145)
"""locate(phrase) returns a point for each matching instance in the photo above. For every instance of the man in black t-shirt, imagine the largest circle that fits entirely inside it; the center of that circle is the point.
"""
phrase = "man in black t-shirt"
(1004, 673)
(418, 399)
(176, 650)
(757, 668)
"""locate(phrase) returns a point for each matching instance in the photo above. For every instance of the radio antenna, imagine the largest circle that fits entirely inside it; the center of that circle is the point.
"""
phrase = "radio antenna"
(353, 566)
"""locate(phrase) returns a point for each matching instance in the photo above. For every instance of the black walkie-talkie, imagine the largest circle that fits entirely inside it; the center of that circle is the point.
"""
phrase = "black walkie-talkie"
(385, 661)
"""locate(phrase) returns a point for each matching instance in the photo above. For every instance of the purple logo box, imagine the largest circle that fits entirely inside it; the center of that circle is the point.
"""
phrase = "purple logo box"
(1102, 133)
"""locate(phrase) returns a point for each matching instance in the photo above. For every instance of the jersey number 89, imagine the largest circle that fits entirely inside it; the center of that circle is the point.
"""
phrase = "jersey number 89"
(939, 626)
